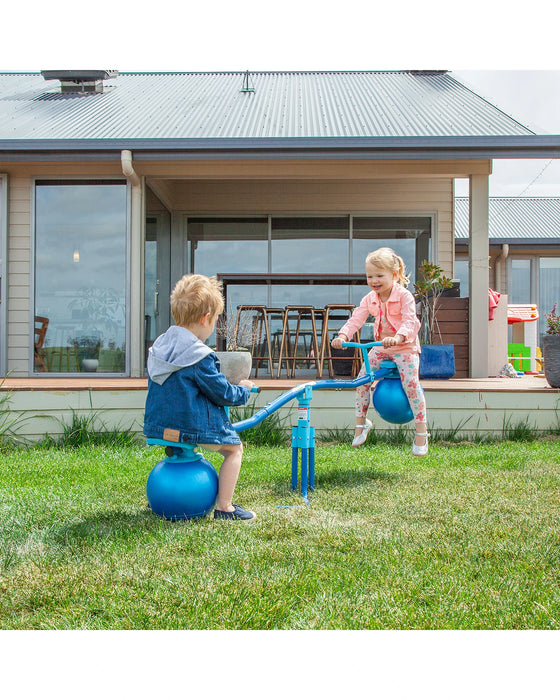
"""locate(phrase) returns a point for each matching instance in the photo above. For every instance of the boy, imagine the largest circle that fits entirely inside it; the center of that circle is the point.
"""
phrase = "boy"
(187, 391)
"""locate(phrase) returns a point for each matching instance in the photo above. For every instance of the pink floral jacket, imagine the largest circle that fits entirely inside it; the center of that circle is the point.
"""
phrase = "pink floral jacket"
(401, 314)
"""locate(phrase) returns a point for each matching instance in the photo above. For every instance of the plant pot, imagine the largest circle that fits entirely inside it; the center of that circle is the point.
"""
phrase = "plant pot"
(235, 365)
(89, 364)
(437, 362)
(342, 367)
(551, 356)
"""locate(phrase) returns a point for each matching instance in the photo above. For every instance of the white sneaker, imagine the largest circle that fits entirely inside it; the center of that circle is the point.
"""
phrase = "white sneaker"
(420, 450)
(362, 437)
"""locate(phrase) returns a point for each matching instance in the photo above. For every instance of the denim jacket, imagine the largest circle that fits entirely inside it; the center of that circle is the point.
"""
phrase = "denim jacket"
(187, 392)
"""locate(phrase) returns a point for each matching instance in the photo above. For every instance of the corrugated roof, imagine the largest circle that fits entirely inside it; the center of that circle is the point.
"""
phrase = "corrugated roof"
(283, 104)
(514, 218)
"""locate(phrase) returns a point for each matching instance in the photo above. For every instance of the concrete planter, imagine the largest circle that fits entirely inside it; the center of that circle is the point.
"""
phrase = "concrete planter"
(551, 356)
(235, 365)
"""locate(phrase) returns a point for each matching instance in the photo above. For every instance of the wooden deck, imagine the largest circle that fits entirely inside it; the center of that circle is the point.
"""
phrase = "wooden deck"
(527, 383)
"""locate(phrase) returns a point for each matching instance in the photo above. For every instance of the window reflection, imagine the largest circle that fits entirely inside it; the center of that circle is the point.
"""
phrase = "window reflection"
(520, 282)
(462, 274)
(236, 244)
(300, 245)
(549, 275)
(80, 275)
(310, 244)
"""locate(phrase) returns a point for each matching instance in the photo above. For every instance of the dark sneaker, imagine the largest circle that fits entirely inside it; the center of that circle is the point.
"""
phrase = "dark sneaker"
(238, 514)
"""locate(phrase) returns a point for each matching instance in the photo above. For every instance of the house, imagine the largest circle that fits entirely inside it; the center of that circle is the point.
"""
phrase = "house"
(113, 185)
(524, 249)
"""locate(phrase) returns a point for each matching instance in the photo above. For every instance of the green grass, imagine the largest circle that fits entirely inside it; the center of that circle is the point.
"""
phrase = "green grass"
(89, 429)
(466, 538)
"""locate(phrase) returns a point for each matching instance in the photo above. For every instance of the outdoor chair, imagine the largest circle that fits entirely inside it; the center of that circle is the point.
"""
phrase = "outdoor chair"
(290, 338)
(256, 334)
(330, 355)
(41, 325)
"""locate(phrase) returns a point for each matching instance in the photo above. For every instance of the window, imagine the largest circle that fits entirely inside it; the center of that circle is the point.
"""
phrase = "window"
(534, 280)
(520, 282)
(3, 271)
(549, 289)
(309, 244)
(80, 275)
(299, 245)
(409, 237)
(462, 274)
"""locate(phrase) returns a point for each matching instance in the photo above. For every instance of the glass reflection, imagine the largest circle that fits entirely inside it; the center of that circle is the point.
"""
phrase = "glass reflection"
(549, 293)
(80, 275)
(221, 245)
(300, 245)
(310, 244)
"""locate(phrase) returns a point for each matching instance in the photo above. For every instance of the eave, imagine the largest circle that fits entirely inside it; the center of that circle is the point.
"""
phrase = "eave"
(369, 148)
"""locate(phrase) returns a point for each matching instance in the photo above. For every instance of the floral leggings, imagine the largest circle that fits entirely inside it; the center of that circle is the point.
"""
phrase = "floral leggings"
(407, 365)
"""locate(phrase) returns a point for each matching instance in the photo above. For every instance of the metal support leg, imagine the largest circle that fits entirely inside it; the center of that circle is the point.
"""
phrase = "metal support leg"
(303, 439)
(295, 458)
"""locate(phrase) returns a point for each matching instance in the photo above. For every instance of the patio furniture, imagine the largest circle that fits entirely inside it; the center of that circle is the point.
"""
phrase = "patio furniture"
(289, 343)
(41, 325)
(328, 354)
(258, 334)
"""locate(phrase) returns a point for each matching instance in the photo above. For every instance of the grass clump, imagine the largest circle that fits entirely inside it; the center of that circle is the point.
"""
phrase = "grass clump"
(90, 429)
(8, 421)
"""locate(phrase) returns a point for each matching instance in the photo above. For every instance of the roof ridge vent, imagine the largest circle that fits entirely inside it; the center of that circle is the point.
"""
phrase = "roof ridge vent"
(80, 80)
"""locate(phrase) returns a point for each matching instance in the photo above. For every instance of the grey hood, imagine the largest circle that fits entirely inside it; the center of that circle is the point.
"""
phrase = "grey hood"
(175, 349)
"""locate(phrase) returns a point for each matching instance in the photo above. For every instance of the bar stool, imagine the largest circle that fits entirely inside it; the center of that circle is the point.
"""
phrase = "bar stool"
(259, 326)
(327, 350)
(275, 336)
(288, 350)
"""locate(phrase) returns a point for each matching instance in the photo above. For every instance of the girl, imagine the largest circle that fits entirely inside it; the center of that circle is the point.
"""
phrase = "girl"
(396, 326)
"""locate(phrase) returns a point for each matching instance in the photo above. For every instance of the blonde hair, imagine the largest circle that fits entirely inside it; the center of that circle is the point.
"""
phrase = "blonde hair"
(387, 259)
(194, 296)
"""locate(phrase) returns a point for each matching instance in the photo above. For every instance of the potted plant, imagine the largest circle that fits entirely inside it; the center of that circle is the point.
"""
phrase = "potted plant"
(437, 360)
(102, 313)
(551, 348)
(87, 347)
(236, 360)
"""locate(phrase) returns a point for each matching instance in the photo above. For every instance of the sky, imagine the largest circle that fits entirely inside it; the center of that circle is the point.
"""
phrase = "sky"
(510, 58)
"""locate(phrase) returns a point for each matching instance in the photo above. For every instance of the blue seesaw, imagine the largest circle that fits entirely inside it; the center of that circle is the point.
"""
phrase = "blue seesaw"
(184, 485)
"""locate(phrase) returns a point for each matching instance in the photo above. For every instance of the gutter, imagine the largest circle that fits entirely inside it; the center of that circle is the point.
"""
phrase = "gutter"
(499, 274)
(128, 168)
(366, 148)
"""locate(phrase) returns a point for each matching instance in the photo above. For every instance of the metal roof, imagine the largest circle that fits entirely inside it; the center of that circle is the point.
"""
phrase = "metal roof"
(514, 220)
(283, 104)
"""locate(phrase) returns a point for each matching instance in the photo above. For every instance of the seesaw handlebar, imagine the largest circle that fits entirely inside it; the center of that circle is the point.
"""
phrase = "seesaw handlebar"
(296, 391)
(371, 344)
(364, 348)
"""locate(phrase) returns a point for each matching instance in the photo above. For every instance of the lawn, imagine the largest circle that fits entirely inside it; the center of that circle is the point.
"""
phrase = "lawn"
(466, 538)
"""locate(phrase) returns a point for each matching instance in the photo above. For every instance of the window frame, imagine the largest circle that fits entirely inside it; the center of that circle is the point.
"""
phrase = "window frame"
(432, 215)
